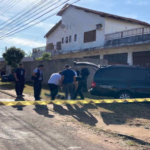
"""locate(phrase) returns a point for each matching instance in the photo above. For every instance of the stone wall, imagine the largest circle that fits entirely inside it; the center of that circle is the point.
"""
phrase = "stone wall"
(54, 66)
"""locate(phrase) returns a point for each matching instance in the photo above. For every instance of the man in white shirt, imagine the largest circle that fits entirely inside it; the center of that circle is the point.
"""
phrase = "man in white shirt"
(53, 83)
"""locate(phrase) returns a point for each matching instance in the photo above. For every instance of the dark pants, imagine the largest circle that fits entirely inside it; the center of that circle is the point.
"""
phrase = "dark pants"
(54, 90)
(19, 86)
(79, 90)
(85, 89)
(37, 89)
(68, 88)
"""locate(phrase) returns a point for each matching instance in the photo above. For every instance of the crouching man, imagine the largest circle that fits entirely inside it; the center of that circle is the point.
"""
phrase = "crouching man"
(53, 83)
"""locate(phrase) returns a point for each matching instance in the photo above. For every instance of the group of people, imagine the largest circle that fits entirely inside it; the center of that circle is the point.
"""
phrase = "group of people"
(72, 81)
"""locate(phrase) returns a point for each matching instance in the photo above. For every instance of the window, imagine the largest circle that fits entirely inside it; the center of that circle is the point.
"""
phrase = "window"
(69, 39)
(125, 74)
(66, 39)
(75, 37)
(58, 45)
(90, 36)
(50, 46)
(62, 40)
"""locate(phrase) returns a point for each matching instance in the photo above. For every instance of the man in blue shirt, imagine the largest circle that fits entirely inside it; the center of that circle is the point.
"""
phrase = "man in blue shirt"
(68, 78)
(38, 78)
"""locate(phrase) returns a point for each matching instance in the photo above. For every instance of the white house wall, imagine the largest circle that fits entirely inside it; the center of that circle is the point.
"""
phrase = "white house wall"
(115, 25)
(77, 22)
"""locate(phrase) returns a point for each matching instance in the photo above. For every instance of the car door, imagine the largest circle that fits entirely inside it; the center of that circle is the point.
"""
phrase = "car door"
(106, 81)
(141, 83)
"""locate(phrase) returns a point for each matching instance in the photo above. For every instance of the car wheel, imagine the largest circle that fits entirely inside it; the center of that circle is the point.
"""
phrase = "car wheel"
(124, 95)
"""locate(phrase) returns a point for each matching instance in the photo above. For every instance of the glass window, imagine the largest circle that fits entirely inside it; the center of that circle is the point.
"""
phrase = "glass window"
(62, 40)
(66, 39)
(75, 37)
(121, 74)
(69, 39)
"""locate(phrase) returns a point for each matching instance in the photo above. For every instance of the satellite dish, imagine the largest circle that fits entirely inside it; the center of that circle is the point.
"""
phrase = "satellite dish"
(63, 27)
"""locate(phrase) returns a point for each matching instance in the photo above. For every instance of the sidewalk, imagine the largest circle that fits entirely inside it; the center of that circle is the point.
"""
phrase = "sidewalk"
(139, 132)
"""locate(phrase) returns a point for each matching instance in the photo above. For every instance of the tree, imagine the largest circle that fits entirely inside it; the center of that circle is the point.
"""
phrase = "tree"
(45, 56)
(13, 56)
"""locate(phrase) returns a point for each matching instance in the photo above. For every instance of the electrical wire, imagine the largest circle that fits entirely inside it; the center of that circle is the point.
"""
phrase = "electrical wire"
(3, 7)
(35, 4)
(1, 38)
(26, 19)
(10, 7)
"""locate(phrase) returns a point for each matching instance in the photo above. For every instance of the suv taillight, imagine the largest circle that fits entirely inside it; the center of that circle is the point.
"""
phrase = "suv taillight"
(93, 84)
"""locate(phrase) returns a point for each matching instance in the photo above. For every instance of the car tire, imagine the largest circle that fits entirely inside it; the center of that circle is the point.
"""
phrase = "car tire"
(124, 95)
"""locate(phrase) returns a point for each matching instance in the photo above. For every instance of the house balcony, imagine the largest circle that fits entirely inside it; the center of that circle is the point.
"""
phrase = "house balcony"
(128, 37)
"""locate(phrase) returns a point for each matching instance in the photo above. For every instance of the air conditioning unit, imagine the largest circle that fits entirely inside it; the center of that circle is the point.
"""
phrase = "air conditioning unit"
(99, 26)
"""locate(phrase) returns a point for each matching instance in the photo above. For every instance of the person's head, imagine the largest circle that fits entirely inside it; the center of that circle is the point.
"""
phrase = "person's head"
(20, 65)
(60, 72)
(41, 67)
(67, 66)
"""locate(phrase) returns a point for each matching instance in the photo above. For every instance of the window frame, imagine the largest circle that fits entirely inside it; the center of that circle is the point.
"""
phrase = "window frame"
(70, 39)
(90, 36)
(62, 41)
(75, 37)
(58, 45)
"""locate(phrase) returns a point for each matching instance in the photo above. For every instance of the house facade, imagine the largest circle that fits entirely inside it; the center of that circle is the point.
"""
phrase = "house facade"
(85, 33)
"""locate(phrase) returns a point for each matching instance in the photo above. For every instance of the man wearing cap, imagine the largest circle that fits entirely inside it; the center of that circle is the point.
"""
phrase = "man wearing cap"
(38, 78)
(19, 75)
(68, 78)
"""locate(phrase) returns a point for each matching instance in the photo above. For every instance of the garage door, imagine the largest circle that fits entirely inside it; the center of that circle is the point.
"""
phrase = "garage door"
(142, 59)
(116, 58)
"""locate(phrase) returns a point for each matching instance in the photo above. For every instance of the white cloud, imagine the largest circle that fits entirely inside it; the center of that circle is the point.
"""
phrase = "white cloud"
(24, 42)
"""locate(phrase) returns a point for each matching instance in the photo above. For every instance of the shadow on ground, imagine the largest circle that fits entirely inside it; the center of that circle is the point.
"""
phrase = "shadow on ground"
(43, 110)
(130, 113)
(77, 113)
(20, 108)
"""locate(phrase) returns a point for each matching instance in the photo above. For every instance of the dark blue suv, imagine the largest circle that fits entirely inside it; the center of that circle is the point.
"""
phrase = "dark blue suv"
(123, 82)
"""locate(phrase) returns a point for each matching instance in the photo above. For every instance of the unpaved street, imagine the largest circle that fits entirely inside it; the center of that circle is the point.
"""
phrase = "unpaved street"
(35, 128)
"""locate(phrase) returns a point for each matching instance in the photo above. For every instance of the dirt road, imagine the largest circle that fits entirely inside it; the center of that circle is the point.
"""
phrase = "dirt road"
(35, 128)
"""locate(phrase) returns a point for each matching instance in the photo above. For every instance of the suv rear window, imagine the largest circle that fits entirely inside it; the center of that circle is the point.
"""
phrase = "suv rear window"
(120, 74)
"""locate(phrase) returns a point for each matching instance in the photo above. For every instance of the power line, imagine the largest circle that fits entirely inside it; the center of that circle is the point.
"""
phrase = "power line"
(32, 16)
(22, 19)
(10, 7)
(1, 38)
(36, 18)
(33, 5)
(6, 4)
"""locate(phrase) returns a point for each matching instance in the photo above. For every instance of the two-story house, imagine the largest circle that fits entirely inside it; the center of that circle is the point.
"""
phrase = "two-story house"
(88, 33)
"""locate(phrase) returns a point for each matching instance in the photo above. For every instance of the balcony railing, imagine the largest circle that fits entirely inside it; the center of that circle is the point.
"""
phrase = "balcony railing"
(39, 49)
(127, 33)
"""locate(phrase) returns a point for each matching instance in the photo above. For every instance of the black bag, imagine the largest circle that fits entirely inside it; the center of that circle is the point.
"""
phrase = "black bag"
(37, 76)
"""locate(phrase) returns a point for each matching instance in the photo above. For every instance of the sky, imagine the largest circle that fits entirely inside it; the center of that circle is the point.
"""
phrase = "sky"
(34, 36)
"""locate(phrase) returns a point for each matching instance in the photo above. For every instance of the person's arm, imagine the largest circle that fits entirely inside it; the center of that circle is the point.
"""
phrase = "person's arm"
(34, 74)
(15, 75)
(62, 79)
(74, 79)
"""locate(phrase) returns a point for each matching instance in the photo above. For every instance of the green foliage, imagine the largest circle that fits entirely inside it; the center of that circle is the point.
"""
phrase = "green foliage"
(45, 56)
(13, 56)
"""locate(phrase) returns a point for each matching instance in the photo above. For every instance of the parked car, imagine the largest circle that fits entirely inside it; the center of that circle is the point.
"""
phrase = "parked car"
(123, 82)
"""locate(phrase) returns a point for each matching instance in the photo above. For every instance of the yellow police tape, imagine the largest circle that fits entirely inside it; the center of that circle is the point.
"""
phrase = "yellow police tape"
(71, 102)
